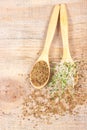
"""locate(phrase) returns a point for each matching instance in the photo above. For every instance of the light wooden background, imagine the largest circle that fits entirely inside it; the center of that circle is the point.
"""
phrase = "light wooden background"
(23, 26)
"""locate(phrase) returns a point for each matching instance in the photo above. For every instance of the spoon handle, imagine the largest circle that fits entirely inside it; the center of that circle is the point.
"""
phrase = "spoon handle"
(51, 29)
(64, 32)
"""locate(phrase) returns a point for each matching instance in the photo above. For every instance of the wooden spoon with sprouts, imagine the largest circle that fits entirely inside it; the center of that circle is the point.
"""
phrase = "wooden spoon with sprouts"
(65, 73)
(40, 73)
(67, 60)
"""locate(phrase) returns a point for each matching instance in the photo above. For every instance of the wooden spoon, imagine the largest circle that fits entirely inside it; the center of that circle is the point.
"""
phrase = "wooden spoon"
(64, 31)
(40, 73)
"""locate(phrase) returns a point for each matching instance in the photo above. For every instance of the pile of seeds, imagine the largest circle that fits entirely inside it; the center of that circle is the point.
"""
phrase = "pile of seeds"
(40, 104)
(40, 73)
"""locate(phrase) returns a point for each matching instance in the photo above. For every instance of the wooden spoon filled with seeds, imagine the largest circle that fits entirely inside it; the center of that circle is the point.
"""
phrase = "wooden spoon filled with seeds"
(40, 73)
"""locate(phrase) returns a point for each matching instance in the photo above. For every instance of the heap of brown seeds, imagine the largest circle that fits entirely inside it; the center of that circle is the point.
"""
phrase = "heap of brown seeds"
(40, 104)
(40, 73)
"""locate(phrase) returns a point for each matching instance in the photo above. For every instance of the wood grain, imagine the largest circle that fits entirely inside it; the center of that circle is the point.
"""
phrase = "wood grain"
(23, 26)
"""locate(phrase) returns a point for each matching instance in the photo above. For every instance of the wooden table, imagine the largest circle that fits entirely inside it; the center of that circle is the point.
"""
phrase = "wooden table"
(23, 26)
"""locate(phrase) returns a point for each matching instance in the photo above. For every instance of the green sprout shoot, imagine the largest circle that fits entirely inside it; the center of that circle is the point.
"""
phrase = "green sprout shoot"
(63, 78)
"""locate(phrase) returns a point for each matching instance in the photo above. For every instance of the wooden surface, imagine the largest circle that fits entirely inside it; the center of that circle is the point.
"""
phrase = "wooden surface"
(23, 26)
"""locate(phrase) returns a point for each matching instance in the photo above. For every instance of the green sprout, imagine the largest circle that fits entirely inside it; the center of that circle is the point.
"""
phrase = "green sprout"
(63, 78)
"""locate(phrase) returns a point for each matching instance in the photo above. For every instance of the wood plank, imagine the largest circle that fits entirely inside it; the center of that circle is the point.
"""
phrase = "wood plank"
(32, 22)
(23, 26)
(30, 3)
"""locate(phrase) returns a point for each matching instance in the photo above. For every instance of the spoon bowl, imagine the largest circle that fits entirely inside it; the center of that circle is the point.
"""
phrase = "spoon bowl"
(40, 74)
